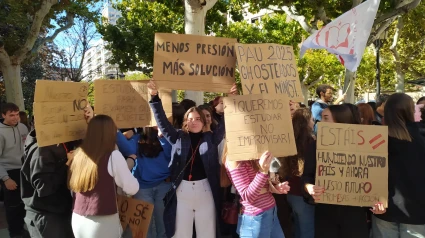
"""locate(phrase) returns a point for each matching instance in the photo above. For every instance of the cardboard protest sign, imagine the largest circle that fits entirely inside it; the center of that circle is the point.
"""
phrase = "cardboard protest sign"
(200, 63)
(269, 69)
(352, 164)
(257, 123)
(127, 102)
(135, 213)
(59, 111)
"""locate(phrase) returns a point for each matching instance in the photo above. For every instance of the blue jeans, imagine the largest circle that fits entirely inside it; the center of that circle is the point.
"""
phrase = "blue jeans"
(381, 229)
(263, 225)
(155, 195)
(303, 214)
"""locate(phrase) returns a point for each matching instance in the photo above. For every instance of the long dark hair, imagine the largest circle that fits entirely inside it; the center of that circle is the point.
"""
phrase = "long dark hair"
(149, 145)
(303, 137)
(346, 113)
(399, 110)
(178, 115)
(210, 110)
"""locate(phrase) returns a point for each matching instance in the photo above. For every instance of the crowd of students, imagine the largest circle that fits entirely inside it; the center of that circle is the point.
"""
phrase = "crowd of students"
(70, 189)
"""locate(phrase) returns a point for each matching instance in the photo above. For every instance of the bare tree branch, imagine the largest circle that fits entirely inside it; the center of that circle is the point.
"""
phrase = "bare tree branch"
(403, 7)
(70, 21)
(415, 72)
(34, 30)
(291, 13)
(315, 81)
(377, 33)
(393, 46)
(4, 57)
(210, 4)
(306, 76)
(321, 14)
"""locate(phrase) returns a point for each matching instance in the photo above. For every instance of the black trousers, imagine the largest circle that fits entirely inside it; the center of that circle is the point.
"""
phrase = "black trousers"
(333, 221)
(42, 225)
(284, 214)
(15, 210)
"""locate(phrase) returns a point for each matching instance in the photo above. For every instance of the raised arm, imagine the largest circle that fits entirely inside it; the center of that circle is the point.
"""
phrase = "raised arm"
(166, 146)
(167, 129)
(127, 146)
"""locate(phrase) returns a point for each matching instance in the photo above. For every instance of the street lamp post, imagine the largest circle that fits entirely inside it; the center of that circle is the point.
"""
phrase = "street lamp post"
(378, 44)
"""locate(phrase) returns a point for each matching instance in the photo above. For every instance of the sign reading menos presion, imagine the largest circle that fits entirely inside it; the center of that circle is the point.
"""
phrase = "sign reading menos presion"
(200, 63)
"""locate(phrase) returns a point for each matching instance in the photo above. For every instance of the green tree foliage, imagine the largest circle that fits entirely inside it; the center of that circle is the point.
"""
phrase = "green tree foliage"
(131, 40)
(30, 73)
(411, 43)
(26, 26)
(312, 15)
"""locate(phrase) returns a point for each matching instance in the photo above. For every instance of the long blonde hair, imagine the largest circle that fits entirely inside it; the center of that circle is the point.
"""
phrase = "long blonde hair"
(97, 145)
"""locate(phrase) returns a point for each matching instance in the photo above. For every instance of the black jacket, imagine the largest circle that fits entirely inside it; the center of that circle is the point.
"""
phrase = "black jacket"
(181, 144)
(332, 220)
(406, 179)
(421, 126)
(44, 178)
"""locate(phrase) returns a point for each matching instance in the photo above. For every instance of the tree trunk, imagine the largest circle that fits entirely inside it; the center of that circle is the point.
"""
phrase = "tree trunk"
(350, 77)
(306, 93)
(349, 83)
(399, 73)
(174, 95)
(195, 12)
(13, 85)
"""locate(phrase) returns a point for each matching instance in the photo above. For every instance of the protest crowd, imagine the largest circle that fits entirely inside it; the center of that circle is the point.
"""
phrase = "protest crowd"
(182, 168)
(252, 163)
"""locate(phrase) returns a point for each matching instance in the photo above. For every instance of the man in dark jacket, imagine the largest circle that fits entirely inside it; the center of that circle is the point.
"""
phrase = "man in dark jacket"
(44, 190)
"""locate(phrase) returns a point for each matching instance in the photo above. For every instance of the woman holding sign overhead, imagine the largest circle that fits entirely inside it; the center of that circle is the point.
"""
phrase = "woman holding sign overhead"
(194, 195)
(405, 216)
(335, 221)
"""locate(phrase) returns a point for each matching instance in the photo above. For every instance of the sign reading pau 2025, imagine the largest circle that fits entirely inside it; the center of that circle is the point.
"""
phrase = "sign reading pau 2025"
(352, 164)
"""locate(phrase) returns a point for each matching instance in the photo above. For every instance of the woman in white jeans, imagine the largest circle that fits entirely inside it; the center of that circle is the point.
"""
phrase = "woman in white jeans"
(194, 171)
